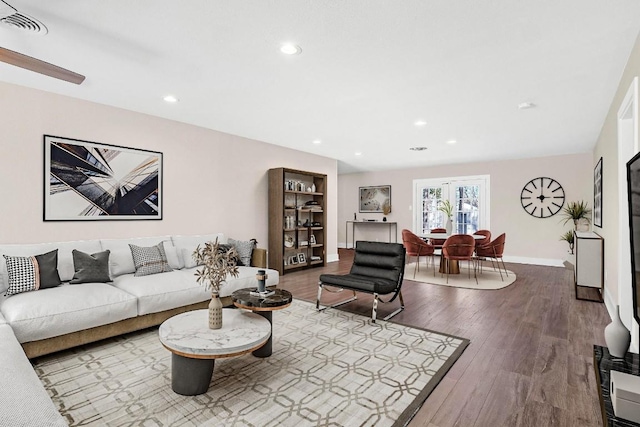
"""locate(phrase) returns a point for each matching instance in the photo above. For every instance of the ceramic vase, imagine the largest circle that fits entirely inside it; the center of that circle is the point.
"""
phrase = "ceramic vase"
(449, 226)
(617, 336)
(262, 279)
(215, 312)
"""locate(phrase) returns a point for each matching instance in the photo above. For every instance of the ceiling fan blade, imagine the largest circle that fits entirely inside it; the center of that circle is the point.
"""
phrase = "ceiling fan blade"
(42, 67)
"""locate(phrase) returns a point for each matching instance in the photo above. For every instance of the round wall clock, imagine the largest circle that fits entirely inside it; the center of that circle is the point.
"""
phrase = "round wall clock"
(542, 197)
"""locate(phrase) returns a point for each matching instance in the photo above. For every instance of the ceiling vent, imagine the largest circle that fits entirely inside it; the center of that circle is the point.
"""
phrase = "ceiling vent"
(11, 17)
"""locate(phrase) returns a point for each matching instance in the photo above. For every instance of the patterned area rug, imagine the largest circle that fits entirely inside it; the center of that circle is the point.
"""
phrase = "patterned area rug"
(328, 368)
(488, 279)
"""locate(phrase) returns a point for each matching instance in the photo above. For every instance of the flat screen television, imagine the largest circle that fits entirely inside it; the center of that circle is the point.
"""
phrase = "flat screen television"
(633, 192)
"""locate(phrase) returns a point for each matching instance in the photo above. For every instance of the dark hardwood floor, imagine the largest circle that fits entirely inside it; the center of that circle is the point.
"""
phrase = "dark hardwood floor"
(530, 358)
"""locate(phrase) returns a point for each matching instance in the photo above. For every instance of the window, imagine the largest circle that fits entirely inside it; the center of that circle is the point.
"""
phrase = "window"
(468, 195)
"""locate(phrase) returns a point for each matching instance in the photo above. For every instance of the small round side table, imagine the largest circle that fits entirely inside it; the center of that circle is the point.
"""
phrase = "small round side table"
(264, 306)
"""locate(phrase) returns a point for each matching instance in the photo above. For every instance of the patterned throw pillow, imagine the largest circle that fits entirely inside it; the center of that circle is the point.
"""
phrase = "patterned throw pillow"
(23, 274)
(244, 249)
(149, 260)
(30, 273)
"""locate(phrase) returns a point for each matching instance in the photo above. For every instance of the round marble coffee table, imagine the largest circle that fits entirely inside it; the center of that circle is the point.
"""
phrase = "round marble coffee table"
(194, 347)
(264, 306)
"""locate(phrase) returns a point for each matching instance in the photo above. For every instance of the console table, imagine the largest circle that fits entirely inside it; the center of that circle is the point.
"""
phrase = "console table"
(393, 230)
(603, 363)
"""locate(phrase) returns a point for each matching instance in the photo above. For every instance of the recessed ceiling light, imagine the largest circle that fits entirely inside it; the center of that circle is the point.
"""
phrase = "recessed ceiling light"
(317, 141)
(526, 105)
(358, 153)
(420, 123)
(418, 148)
(290, 49)
(451, 141)
(170, 98)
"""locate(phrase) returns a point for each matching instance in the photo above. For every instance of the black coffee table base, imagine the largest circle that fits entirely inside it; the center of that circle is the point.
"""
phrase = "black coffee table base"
(266, 349)
(190, 377)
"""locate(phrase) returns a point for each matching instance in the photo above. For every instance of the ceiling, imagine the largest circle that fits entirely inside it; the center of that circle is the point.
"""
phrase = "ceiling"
(368, 70)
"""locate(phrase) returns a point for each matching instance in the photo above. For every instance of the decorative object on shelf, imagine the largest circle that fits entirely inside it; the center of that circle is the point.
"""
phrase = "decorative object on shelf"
(597, 194)
(313, 188)
(386, 209)
(288, 241)
(293, 259)
(316, 224)
(542, 197)
(579, 213)
(301, 258)
(447, 209)
(617, 336)
(307, 223)
(372, 199)
(261, 277)
(73, 195)
(216, 265)
(312, 239)
(568, 237)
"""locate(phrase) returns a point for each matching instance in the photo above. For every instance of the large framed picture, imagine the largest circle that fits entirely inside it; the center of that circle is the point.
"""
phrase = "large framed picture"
(375, 199)
(597, 194)
(88, 181)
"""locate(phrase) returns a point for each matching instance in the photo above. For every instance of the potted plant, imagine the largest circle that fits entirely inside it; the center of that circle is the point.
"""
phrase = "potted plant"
(577, 212)
(568, 237)
(447, 208)
(216, 263)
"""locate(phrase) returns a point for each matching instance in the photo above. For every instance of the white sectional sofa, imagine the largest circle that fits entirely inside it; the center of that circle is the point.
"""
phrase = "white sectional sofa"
(48, 320)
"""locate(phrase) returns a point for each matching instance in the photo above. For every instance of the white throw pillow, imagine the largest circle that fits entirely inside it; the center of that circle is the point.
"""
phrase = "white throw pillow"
(173, 257)
(186, 245)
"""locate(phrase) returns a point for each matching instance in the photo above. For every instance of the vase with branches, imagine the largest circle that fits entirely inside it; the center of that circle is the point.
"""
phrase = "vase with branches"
(447, 208)
(216, 264)
(576, 212)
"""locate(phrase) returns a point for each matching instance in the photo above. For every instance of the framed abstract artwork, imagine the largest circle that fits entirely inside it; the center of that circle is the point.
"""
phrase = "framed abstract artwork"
(597, 194)
(375, 199)
(90, 181)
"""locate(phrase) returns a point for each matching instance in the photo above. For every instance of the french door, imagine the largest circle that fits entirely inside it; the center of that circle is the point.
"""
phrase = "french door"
(469, 197)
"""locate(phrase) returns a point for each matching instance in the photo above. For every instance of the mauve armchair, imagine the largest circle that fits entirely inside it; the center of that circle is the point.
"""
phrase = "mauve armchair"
(417, 247)
(460, 247)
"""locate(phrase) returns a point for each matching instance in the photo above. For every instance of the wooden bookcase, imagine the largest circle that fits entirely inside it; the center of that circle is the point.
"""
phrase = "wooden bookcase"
(297, 219)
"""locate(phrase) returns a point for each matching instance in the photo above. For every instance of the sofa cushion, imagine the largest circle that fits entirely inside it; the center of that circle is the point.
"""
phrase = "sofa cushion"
(159, 292)
(48, 269)
(186, 245)
(244, 249)
(25, 402)
(92, 268)
(30, 273)
(65, 258)
(149, 260)
(121, 260)
(65, 309)
(173, 258)
(23, 274)
(246, 279)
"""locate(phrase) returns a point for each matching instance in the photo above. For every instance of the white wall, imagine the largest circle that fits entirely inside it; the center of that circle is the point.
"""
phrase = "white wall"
(528, 239)
(617, 282)
(213, 182)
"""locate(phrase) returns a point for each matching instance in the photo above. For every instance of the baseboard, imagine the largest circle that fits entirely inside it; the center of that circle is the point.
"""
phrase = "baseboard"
(535, 261)
(344, 246)
(333, 258)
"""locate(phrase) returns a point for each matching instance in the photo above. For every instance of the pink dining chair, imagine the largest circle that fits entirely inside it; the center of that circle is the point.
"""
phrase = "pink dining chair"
(460, 247)
(417, 247)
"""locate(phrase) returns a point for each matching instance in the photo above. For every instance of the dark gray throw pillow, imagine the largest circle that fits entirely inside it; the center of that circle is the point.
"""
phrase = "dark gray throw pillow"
(48, 269)
(92, 268)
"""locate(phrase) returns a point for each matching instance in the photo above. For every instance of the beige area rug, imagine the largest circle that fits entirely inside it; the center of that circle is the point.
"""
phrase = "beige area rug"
(488, 279)
(329, 368)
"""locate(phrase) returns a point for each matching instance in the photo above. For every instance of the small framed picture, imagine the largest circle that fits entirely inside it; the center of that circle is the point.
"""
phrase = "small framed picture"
(293, 260)
(312, 239)
(301, 258)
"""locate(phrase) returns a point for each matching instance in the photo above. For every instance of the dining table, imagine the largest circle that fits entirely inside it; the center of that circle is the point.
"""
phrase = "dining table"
(454, 267)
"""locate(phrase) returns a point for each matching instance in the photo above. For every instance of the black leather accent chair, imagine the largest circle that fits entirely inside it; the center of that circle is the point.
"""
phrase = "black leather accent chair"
(378, 269)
